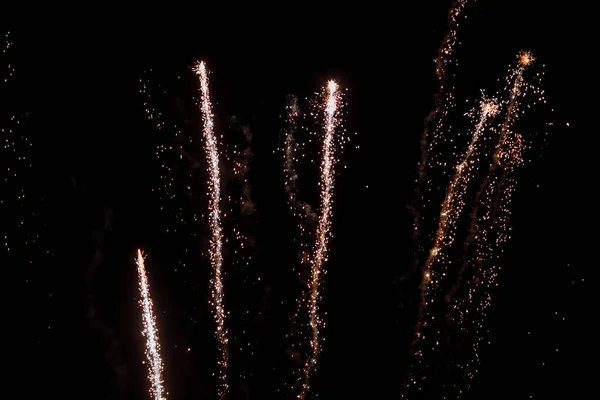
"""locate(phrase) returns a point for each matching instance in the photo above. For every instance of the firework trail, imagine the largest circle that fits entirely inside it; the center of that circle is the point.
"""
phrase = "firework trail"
(444, 99)
(505, 152)
(216, 243)
(489, 228)
(323, 232)
(150, 332)
(303, 211)
(454, 204)
(452, 208)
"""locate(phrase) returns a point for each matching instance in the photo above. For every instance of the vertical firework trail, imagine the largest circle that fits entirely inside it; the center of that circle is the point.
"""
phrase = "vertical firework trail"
(150, 332)
(303, 211)
(444, 99)
(216, 243)
(323, 232)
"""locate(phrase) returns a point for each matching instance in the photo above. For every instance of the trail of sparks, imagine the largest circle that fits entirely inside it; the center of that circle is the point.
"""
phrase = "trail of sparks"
(452, 208)
(302, 210)
(454, 202)
(323, 232)
(504, 152)
(216, 243)
(444, 101)
(489, 229)
(150, 332)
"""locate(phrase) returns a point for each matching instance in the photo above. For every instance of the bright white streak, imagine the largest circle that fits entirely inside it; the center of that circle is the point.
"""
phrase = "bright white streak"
(323, 232)
(150, 332)
(216, 243)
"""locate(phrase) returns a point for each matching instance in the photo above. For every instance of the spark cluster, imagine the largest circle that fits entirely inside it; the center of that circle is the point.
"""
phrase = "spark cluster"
(169, 154)
(19, 209)
(150, 332)
(216, 244)
(305, 216)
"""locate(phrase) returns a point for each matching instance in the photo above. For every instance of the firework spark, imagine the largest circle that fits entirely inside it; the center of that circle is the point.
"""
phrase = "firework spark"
(319, 257)
(489, 228)
(302, 210)
(150, 332)
(454, 202)
(453, 206)
(444, 101)
(216, 243)
(505, 149)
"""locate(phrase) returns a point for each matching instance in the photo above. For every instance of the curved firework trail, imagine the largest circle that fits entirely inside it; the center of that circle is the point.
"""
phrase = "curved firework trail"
(216, 242)
(323, 232)
(155, 365)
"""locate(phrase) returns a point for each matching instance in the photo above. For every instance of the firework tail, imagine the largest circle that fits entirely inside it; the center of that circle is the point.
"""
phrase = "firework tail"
(323, 232)
(436, 117)
(150, 332)
(216, 242)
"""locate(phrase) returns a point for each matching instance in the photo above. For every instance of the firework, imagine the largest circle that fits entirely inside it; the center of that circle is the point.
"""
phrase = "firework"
(331, 108)
(444, 102)
(216, 243)
(508, 149)
(454, 202)
(302, 211)
(452, 208)
(150, 332)
(489, 228)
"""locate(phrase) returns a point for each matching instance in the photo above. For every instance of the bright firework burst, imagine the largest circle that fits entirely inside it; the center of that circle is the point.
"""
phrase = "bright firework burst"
(150, 332)
(319, 257)
(216, 243)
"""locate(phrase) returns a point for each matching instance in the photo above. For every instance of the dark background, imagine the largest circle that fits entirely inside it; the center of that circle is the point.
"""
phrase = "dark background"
(70, 301)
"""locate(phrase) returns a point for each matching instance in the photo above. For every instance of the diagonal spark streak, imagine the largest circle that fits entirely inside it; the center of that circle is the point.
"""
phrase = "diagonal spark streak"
(150, 332)
(454, 202)
(216, 243)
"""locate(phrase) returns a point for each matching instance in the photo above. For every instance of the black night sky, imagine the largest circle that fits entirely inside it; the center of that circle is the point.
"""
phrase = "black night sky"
(71, 322)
